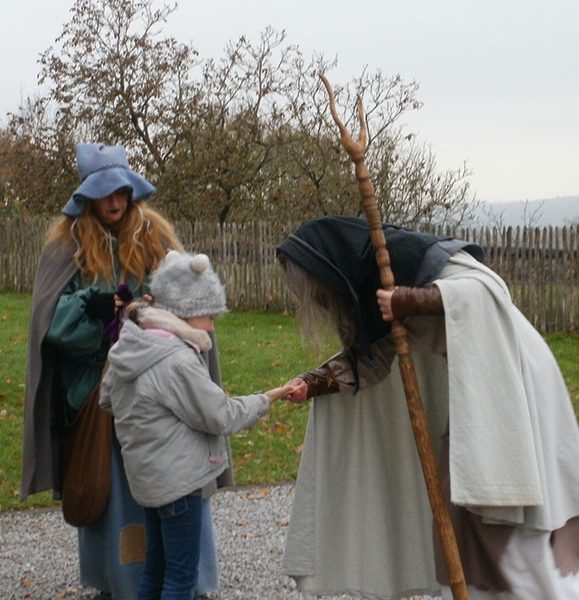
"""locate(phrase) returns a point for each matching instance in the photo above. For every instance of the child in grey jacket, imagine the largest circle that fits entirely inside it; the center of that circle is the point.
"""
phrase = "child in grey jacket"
(170, 417)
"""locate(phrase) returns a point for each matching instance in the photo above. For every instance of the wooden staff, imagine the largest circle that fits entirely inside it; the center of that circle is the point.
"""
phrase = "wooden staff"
(357, 152)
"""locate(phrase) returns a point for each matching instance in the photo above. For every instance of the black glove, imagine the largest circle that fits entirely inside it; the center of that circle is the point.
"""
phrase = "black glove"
(101, 305)
(123, 291)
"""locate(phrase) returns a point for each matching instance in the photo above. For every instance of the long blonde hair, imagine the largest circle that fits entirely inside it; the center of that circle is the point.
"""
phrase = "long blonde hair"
(143, 235)
(322, 314)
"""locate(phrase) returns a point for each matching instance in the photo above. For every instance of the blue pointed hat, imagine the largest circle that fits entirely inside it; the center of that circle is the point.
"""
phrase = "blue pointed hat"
(103, 170)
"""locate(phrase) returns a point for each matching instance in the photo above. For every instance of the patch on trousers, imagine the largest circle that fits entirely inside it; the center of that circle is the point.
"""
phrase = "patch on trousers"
(132, 544)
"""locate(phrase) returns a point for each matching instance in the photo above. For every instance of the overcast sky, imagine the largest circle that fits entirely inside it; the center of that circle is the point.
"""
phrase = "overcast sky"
(499, 79)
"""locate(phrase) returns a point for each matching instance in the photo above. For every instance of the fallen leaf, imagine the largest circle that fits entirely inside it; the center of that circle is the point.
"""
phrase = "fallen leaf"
(262, 492)
(265, 343)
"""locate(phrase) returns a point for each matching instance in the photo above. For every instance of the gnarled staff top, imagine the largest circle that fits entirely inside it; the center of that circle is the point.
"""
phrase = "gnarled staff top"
(357, 151)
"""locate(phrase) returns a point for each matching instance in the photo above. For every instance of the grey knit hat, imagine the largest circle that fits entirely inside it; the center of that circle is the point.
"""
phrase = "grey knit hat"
(187, 286)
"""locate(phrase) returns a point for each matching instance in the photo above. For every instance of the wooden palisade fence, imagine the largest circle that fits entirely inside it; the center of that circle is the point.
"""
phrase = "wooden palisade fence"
(540, 265)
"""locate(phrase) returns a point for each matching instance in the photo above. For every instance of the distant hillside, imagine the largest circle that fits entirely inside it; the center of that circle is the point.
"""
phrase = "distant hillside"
(538, 213)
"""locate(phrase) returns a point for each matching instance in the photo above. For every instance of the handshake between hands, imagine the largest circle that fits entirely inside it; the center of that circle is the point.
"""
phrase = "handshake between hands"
(295, 391)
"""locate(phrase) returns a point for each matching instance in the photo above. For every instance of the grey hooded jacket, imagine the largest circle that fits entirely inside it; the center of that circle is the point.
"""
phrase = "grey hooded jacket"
(170, 418)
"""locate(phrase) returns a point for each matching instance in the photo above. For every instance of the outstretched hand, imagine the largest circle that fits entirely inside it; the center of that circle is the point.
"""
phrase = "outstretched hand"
(280, 392)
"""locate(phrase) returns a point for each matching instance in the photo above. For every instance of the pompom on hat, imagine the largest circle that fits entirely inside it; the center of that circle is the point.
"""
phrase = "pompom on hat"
(102, 171)
(187, 286)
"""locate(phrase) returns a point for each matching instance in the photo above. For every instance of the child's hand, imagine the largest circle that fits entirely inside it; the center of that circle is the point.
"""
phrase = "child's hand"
(299, 393)
(282, 392)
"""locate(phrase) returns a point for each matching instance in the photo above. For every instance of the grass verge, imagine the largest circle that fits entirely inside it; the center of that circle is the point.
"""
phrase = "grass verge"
(258, 351)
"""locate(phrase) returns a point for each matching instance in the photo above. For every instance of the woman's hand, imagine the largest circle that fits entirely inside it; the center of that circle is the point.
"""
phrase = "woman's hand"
(119, 303)
(384, 298)
(123, 296)
(299, 392)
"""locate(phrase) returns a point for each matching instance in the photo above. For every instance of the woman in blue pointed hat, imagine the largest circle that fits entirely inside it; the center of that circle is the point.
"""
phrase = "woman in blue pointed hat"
(96, 258)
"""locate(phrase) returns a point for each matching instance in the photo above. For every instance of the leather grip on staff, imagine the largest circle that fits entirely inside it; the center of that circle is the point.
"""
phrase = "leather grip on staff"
(423, 439)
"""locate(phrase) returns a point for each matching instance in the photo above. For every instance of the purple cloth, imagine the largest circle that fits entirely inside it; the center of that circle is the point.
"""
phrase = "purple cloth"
(113, 328)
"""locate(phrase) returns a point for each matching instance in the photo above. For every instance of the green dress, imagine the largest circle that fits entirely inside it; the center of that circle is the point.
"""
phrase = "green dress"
(111, 550)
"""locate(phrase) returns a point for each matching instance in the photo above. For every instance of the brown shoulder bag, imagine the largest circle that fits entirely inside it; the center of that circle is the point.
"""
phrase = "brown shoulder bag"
(87, 449)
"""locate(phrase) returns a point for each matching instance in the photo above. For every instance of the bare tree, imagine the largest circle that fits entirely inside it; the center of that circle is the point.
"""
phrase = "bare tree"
(247, 136)
(318, 176)
(312, 176)
(113, 73)
(36, 164)
(227, 138)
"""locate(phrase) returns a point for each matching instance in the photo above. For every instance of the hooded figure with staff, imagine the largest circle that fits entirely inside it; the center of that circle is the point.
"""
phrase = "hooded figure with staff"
(495, 405)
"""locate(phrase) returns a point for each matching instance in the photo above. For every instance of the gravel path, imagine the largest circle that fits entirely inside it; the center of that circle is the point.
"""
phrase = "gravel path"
(38, 549)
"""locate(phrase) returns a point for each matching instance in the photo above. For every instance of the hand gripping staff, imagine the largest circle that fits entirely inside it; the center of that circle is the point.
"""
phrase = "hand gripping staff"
(357, 151)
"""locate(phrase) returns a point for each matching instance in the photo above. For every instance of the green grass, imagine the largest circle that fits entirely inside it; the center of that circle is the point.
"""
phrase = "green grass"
(14, 309)
(258, 351)
(565, 348)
